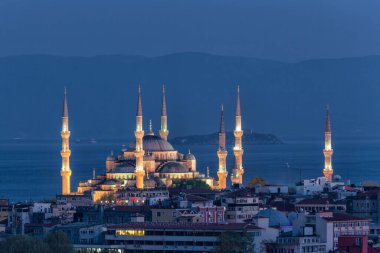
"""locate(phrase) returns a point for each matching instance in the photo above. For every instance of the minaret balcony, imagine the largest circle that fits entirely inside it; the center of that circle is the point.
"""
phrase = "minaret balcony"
(222, 154)
(65, 153)
(139, 134)
(139, 153)
(164, 133)
(65, 173)
(238, 133)
(238, 151)
(222, 173)
(328, 152)
(65, 134)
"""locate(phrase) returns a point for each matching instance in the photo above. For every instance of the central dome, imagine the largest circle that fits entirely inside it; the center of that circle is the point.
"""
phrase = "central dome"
(152, 143)
(172, 167)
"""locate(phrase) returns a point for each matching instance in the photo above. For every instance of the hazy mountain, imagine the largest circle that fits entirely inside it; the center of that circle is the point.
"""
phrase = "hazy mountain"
(212, 139)
(286, 99)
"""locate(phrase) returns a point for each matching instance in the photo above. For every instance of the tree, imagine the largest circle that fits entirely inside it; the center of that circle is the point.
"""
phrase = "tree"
(23, 244)
(54, 242)
(192, 183)
(256, 181)
(234, 242)
(58, 242)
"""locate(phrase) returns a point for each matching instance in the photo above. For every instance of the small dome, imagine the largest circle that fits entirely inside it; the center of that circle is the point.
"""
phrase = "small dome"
(276, 218)
(110, 182)
(152, 143)
(189, 157)
(111, 158)
(172, 167)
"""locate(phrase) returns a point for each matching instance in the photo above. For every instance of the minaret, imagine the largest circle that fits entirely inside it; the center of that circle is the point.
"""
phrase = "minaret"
(328, 152)
(65, 152)
(164, 132)
(222, 153)
(237, 172)
(139, 152)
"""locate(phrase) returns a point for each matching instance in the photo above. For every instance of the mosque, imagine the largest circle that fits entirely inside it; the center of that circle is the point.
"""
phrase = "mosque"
(151, 162)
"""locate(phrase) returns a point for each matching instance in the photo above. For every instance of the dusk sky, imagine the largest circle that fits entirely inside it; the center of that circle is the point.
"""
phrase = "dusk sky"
(285, 94)
(281, 30)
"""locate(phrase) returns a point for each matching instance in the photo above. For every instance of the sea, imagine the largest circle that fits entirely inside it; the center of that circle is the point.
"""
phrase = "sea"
(30, 170)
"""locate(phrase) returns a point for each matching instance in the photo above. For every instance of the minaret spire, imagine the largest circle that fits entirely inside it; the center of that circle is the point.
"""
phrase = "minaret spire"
(221, 126)
(139, 103)
(150, 128)
(238, 111)
(164, 132)
(163, 108)
(65, 112)
(328, 126)
(222, 153)
(328, 152)
(238, 171)
(65, 152)
(139, 152)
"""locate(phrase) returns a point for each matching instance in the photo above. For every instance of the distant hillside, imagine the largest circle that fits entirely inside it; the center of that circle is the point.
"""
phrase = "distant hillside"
(212, 139)
(283, 98)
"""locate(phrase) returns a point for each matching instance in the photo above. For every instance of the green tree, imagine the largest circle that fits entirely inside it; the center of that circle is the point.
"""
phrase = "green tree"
(54, 242)
(23, 244)
(192, 183)
(256, 181)
(58, 242)
(234, 242)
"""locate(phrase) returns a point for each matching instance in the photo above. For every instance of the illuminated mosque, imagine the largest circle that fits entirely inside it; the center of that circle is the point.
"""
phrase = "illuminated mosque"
(151, 162)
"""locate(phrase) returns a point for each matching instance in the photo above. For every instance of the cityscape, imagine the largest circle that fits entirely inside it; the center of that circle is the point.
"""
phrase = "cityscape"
(219, 172)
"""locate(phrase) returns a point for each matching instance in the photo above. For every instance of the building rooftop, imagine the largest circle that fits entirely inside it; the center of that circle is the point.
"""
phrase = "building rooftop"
(192, 190)
(318, 201)
(184, 226)
(48, 225)
(195, 198)
(128, 209)
(283, 206)
(241, 193)
(340, 217)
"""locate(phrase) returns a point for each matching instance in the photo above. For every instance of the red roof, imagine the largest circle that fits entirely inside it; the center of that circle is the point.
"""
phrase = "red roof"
(350, 189)
(184, 226)
(341, 217)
